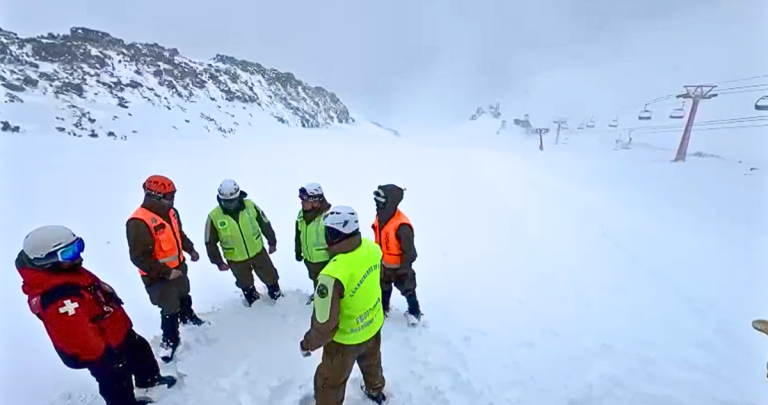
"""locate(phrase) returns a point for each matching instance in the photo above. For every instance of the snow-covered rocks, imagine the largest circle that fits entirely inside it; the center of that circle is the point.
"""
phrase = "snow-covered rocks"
(88, 70)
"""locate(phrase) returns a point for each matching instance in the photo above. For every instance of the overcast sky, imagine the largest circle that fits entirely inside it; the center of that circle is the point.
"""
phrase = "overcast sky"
(388, 58)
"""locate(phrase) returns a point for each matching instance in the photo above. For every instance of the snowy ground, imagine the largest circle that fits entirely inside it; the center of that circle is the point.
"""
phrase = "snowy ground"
(578, 276)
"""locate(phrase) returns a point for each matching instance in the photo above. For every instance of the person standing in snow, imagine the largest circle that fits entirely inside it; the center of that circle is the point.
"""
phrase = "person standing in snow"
(240, 226)
(310, 245)
(394, 233)
(156, 243)
(348, 316)
(84, 317)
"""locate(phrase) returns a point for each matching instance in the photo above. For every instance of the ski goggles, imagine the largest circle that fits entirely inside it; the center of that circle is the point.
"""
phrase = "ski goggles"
(67, 254)
(379, 196)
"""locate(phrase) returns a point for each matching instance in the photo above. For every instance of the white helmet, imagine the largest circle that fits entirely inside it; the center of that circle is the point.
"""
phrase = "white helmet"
(41, 242)
(340, 222)
(228, 189)
(312, 192)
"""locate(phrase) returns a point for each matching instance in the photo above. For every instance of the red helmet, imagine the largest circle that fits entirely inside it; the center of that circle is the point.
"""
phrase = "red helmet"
(159, 185)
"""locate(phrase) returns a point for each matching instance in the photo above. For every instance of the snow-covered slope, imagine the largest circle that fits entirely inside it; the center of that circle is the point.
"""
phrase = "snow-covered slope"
(82, 83)
(571, 276)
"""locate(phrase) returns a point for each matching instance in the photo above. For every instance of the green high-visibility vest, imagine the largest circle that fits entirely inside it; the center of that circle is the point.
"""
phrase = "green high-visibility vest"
(239, 240)
(313, 246)
(361, 313)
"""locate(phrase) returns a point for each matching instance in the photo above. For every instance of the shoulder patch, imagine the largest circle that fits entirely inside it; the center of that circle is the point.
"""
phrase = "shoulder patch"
(322, 291)
(323, 297)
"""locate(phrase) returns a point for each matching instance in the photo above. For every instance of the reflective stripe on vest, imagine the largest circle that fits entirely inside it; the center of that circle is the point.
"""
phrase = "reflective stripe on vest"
(167, 243)
(361, 313)
(239, 240)
(387, 239)
(312, 235)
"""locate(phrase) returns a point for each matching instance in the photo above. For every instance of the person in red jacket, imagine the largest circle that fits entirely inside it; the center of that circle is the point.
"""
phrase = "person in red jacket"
(84, 317)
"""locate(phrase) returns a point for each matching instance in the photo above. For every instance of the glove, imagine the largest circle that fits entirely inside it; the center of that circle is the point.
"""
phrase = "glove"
(304, 353)
(299, 257)
(194, 256)
(223, 267)
(272, 249)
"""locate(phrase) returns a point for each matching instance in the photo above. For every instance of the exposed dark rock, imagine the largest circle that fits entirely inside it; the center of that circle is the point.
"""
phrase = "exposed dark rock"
(13, 87)
(6, 126)
(12, 98)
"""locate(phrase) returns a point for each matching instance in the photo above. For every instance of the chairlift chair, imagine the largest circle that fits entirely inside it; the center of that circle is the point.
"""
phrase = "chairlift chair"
(678, 113)
(614, 123)
(762, 104)
(581, 126)
(591, 123)
(645, 115)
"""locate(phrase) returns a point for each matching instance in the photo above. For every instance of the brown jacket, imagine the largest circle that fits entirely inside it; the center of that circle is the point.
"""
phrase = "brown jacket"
(321, 333)
(212, 236)
(141, 244)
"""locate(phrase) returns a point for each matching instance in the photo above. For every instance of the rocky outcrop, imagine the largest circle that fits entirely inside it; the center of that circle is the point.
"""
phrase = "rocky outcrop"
(88, 66)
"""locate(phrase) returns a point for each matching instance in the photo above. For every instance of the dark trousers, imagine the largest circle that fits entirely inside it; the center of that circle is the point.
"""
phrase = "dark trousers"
(115, 376)
(404, 279)
(338, 361)
(261, 264)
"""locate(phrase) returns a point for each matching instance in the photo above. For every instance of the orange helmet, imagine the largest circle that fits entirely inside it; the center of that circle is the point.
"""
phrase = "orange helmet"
(159, 185)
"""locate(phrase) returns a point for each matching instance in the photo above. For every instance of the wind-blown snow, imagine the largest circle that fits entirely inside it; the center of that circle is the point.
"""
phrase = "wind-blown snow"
(579, 275)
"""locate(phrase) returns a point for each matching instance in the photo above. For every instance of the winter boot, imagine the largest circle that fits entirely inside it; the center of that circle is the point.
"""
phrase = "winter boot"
(171, 340)
(167, 380)
(378, 397)
(187, 315)
(274, 291)
(414, 311)
(251, 295)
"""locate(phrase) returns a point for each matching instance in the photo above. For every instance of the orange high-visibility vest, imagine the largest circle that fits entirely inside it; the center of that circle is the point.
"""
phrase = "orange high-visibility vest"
(386, 238)
(167, 238)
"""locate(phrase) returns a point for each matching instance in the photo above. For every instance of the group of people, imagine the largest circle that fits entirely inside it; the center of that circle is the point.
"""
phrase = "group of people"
(353, 280)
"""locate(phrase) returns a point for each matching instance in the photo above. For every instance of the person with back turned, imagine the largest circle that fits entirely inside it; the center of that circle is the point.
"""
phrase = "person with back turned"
(348, 315)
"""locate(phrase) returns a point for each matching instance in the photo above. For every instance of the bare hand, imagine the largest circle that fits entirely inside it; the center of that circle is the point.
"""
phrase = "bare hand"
(223, 267)
(272, 249)
(194, 256)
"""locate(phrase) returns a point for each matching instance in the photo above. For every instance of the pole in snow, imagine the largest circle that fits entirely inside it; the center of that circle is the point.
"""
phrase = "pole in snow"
(696, 93)
(541, 132)
(559, 123)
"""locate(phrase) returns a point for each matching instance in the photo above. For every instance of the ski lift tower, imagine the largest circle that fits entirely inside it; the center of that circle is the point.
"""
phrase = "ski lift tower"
(560, 123)
(695, 93)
